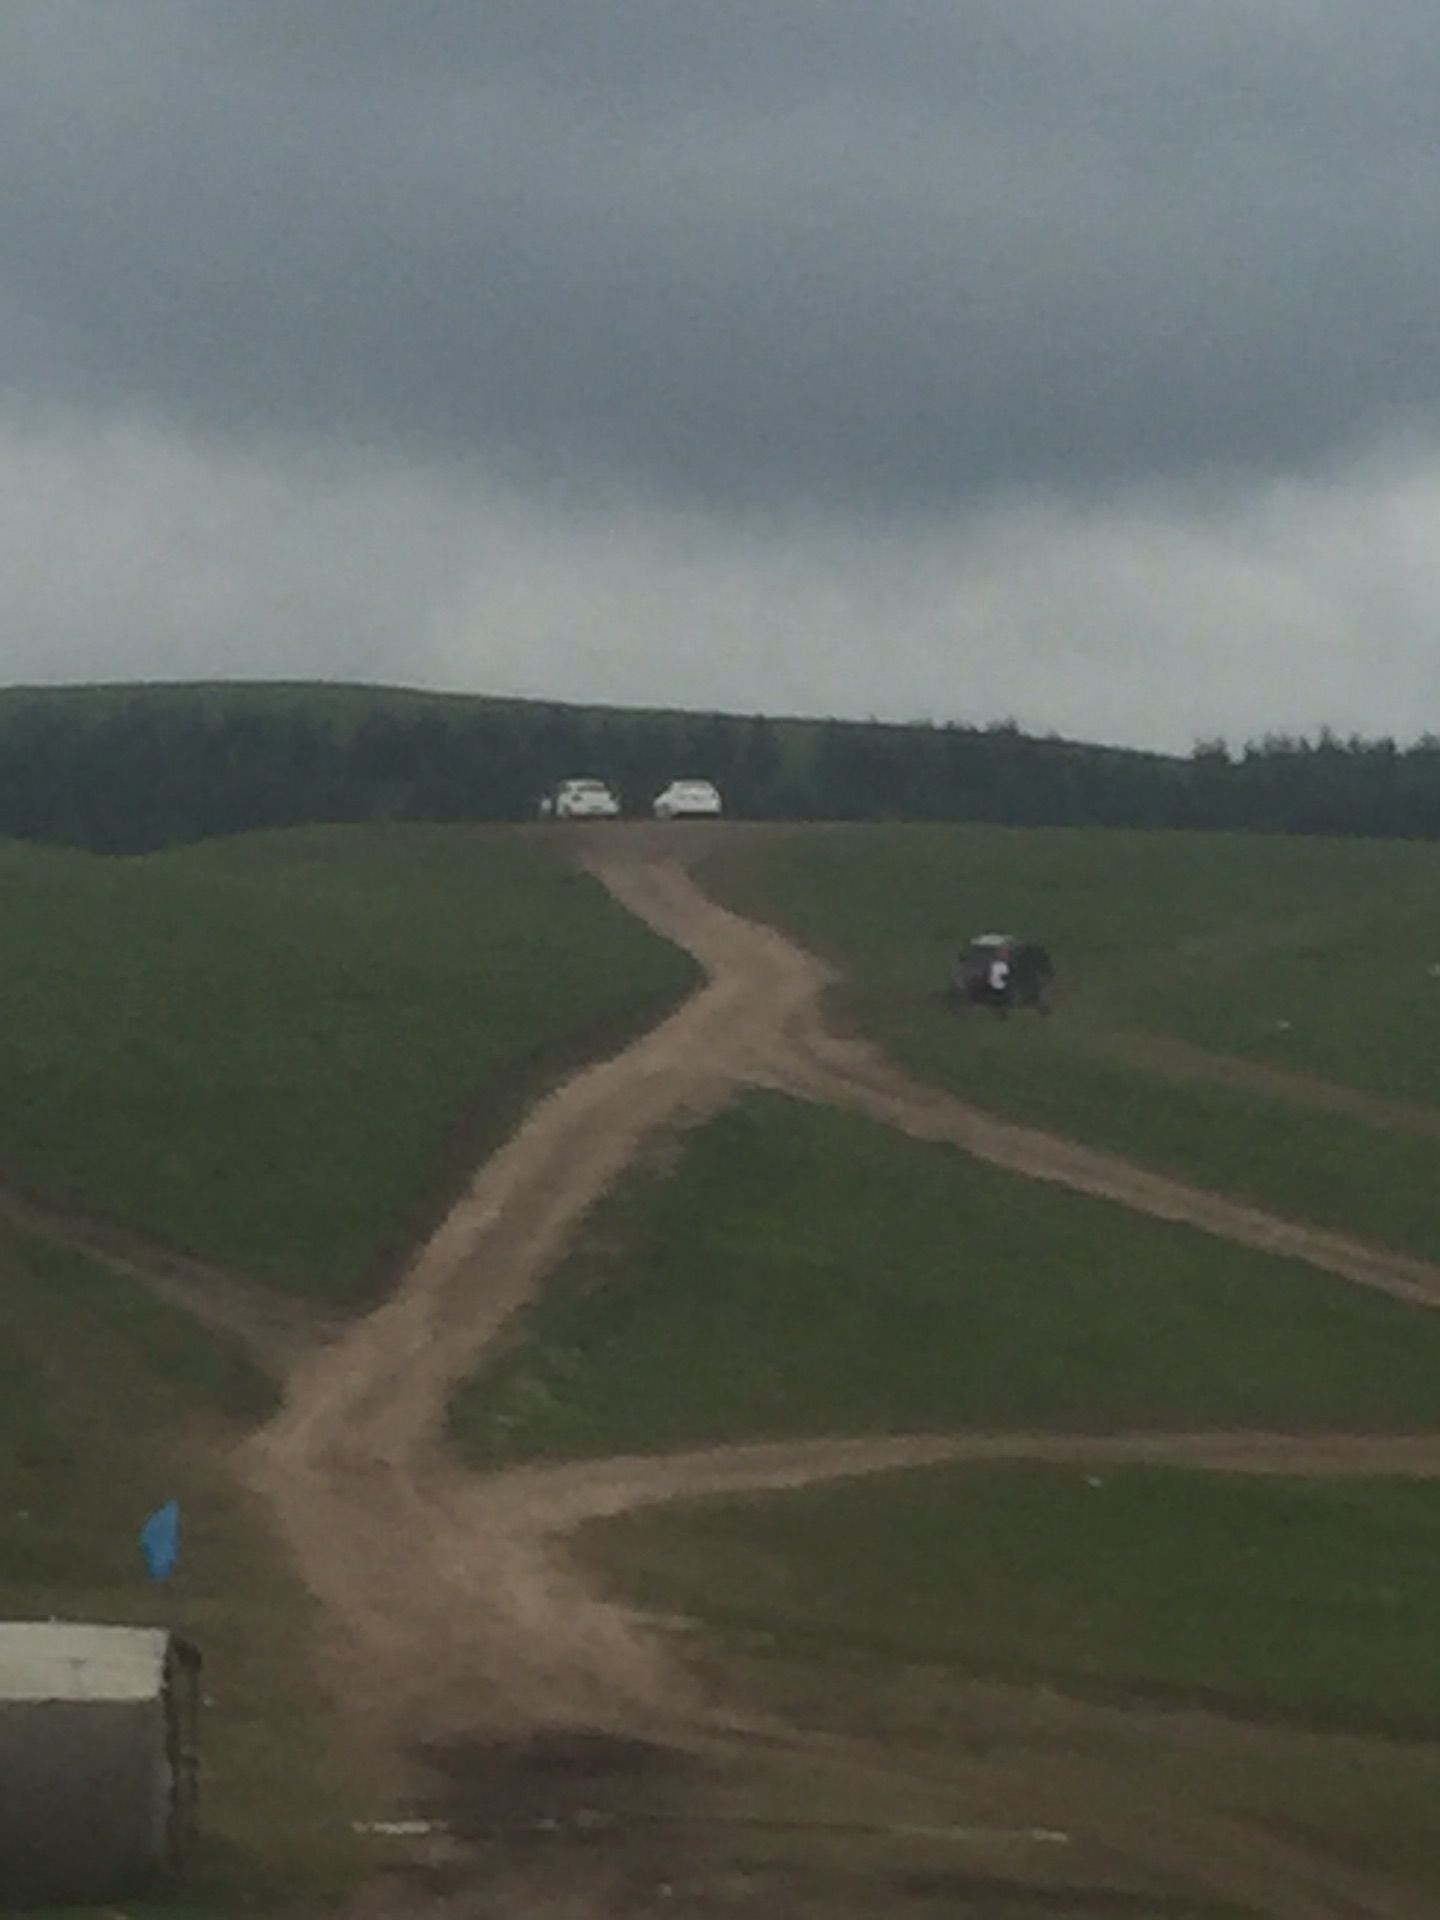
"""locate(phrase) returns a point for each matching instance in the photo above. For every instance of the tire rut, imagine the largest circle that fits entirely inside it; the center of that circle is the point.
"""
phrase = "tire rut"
(551, 1500)
(275, 1331)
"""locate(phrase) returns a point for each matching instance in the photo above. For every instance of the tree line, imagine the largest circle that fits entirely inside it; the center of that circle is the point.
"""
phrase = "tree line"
(127, 770)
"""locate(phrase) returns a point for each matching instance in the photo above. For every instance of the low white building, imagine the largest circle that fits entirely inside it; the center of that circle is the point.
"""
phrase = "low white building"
(98, 1759)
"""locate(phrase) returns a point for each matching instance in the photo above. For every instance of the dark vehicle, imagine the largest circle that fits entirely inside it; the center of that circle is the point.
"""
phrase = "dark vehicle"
(1000, 972)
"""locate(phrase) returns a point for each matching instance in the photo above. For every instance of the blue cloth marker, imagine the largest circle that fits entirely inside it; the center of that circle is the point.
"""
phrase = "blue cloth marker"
(160, 1540)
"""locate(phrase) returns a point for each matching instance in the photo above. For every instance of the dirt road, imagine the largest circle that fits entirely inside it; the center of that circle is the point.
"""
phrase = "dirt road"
(456, 1611)
(445, 1623)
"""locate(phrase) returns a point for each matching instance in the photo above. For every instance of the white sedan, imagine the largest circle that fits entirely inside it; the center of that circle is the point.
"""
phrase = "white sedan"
(581, 800)
(688, 800)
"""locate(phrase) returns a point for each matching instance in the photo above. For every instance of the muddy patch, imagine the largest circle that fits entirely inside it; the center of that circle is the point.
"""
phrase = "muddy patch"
(571, 1786)
(560, 1822)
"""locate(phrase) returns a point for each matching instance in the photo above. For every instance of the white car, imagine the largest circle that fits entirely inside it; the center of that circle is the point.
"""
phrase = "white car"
(580, 800)
(688, 800)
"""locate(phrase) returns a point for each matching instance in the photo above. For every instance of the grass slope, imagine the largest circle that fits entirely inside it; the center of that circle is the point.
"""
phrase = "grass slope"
(1311, 957)
(282, 1051)
(1311, 1600)
(804, 1271)
(935, 1649)
(109, 1404)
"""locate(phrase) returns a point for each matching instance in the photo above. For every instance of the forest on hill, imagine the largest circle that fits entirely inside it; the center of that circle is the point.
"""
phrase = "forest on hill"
(126, 768)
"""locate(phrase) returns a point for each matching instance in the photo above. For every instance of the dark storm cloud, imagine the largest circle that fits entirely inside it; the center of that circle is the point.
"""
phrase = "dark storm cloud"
(835, 253)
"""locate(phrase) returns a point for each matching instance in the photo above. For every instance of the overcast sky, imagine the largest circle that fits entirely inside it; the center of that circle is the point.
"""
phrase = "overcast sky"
(1070, 360)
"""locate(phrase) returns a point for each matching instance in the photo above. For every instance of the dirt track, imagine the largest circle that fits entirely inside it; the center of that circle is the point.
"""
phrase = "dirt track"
(275, 1329)
(456, 1609)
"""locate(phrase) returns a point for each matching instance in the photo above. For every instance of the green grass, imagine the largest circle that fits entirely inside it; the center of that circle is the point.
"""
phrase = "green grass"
(109, 1404)
(283, 1051)
(1314, 1601)
(929, 1744)
(1209, 940)
(804, 1271)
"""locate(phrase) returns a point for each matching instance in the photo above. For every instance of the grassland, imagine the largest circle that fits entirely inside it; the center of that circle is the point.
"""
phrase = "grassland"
(1311, 1601)
(279, 1051)
(1306, 963)
(282, 1051)
(1140, 1789)
(109, 1404)
(801, 1271)
(1157, 1663)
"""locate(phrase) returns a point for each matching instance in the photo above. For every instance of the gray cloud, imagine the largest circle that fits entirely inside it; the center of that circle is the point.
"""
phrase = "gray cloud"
(129, 551)
(1072, 361)
(834, 253)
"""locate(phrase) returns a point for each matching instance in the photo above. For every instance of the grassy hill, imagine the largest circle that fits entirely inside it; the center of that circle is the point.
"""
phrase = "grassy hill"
(283, 1051)
(1257, 1014)
(1165, 1666)
(1311, 1601)
(800, 1271)
(1119, 1653)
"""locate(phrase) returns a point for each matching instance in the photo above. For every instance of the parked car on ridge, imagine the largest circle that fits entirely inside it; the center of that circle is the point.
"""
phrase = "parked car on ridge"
(580, 800)
(688, 800)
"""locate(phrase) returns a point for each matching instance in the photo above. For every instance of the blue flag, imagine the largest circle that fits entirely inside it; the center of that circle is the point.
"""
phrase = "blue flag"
(160, 1540)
